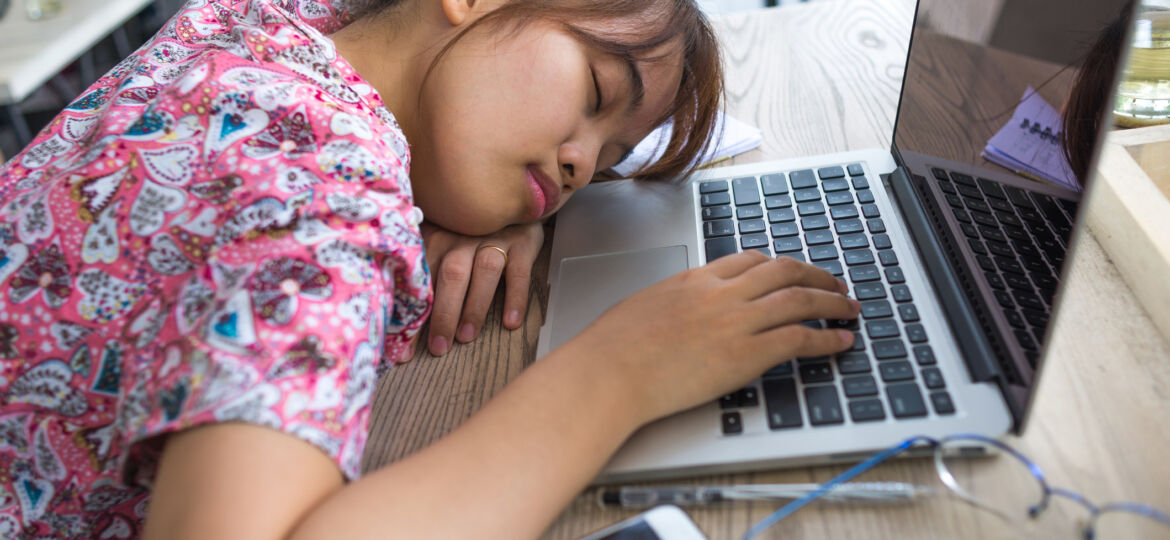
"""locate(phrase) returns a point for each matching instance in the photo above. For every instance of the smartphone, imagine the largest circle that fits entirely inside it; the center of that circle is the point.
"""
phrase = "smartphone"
(666, 522)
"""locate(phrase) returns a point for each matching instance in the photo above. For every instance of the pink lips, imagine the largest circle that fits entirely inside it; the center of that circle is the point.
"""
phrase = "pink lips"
(544, 192)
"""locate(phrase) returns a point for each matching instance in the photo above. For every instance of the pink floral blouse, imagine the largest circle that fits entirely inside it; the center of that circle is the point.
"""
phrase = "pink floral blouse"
(219, 230)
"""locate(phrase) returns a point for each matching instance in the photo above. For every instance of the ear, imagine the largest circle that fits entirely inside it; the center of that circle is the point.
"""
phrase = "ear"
(457, 11)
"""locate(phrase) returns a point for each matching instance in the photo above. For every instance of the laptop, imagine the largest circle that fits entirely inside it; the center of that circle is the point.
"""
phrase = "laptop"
(956, 262)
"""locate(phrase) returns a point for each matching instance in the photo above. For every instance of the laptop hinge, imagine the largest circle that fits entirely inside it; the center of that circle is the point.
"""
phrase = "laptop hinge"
(977, 353)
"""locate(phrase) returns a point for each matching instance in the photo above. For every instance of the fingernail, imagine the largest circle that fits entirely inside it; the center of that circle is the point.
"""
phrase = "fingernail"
(512, 319)
(438, 345)
(855, 303)
(842, 286)
(466, 332)
(846, 336)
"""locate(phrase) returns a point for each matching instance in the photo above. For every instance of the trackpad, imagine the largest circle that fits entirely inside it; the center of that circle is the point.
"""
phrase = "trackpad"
(587, 286)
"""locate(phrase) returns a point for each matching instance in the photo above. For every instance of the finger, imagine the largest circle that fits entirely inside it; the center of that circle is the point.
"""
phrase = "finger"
(734, 265)
(799, 341)
(485, 278)
(793, 305)
(452, 277)
(518, 279)
(785, 272)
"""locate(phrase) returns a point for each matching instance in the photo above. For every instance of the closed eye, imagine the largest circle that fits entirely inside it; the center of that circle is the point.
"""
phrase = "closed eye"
(596, 91)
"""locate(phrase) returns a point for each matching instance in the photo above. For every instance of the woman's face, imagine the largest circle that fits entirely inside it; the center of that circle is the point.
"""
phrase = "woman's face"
(509, 128)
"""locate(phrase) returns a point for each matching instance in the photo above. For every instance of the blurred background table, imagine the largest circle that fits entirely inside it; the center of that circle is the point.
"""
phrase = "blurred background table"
(824, 77)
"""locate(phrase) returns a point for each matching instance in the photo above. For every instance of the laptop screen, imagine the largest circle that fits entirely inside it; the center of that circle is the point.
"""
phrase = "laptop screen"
(980, 134)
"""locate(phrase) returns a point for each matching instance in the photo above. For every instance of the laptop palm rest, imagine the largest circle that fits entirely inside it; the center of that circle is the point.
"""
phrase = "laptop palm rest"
(594, 283)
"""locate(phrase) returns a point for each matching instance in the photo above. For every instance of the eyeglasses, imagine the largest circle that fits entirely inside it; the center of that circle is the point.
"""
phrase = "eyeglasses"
(1126, 519)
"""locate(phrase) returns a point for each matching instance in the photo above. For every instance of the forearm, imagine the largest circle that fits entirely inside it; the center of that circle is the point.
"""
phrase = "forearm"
(507, 472)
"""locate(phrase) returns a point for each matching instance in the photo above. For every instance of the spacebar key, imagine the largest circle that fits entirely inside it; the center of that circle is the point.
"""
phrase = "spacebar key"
(720, 247)
(782, 405)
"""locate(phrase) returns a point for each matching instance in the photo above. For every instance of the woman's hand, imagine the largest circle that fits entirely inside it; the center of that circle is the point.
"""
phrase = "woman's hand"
(466, 272)
(703, 333)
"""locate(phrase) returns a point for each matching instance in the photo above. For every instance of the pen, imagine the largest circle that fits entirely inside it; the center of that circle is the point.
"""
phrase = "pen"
(859, 492)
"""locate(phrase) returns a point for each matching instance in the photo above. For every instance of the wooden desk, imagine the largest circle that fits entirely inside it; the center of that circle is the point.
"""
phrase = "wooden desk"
(825, 77)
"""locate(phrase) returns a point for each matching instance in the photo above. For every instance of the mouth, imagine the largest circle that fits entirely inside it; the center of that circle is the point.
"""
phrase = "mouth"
(545, 194)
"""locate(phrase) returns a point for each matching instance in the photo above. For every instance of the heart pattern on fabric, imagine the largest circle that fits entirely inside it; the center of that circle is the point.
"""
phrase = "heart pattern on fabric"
(147, 324)
(226, 128)
(168, 52)
(311, 231)
(101, 238)
(75, 129)
(356, 310)
(273, 96)
(345, 160)
(172, 400)
(231, 327)
(34, 495)
(14, 435)
(36, 222)
(170, 164)
(154, 201)
(11, 257)
(80, 361)
(96, 194)
(194, 301)
(356, 263)
(46, 385)
(219, 190)
(68, 334)
(40, 155)
(91, 101)
(202, 225)
(119, 527)
(106, 298)
(347, 124)
(45, 457)
(151, 125)
(166, 258)
(109, 377)
(193, 78)
(295, 180)
(352, 208)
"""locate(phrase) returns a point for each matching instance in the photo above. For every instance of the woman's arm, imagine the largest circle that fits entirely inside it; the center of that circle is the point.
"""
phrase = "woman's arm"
(510, 469)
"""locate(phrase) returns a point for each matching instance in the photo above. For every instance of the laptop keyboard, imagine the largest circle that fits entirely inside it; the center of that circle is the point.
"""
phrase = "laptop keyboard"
(1019, 239)
(828, 217)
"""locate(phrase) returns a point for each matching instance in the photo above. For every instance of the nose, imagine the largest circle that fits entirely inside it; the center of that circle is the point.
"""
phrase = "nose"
(578, 162)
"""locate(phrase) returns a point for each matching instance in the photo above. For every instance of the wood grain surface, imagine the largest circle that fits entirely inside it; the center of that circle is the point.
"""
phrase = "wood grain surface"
(825, 77)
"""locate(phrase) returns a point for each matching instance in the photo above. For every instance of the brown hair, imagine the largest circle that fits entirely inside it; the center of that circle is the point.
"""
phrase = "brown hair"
(657, 22)
(1084, 110)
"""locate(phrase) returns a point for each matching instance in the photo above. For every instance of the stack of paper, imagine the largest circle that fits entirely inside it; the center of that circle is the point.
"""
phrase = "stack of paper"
(1029, 144)
(738, 138)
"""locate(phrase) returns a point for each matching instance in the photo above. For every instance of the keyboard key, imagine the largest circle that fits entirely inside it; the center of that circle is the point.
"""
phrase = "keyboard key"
(843, 211)
(860, 183)
(876, 225)
(908, 313)
(824, 407)
(894, 275)
(816, 373)
(942, 403)
(716, 212)
(916, 333)
(870, 210)
(732, 423)
(713, 186)
(869, 291)
(752, 226)
(715, 199)
(818, 237)
(823, 253)
(780, 230)
(773, 184)
(858, 343)
(782, 215)
(1013, 318)
(802, 179)
(835, 185)
(924, 355)
(806, 195)
(901, 293)
(810, 208)
(848, 226)
(827, 173)
(749, 212)
(888, 257)
(905, 400)
(832, 267)
(891, 348)
(785, 245)
(933, 378)
(866, 410)
(991, 188)
(838, 197)
(881, 329)
(746, 191)
(720, 247)
(852, 363)
(777, 201)
(864, 196)
(784, 369)
(722, 227)
(855, 169)
(876, 309)
(964, 179)
(861, 274)
(754, 241)
(896, 371)
(862, 385)
(882, 241)
(781, 403)
(858, 256)
(813, 223)
(1025, 340)
(792, 255)
(848, 324)
(745, 397)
